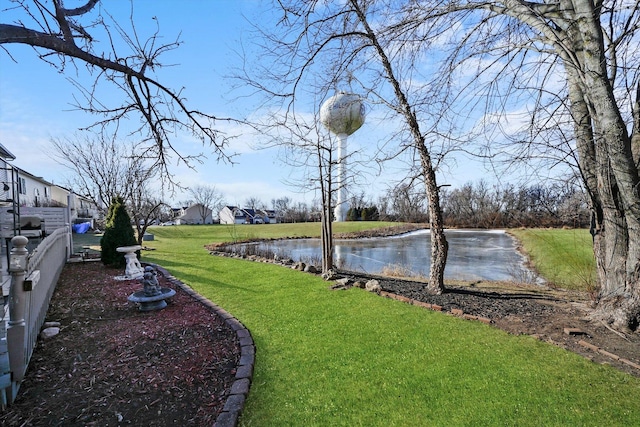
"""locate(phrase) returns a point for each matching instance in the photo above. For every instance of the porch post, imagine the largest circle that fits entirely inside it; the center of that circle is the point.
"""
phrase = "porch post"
(17, 302)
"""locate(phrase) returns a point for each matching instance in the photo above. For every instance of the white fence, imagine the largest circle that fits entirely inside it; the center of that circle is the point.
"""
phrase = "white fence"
(52, 218)
(33, 281)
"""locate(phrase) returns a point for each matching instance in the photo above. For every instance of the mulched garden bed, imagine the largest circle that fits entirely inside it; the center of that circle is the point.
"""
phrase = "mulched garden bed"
(112, 365)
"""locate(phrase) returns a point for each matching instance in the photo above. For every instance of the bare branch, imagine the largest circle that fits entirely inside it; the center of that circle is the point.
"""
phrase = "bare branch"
(163, 110)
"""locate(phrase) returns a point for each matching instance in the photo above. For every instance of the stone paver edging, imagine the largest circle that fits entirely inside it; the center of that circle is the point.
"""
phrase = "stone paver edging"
(604, 352)
(244, 370)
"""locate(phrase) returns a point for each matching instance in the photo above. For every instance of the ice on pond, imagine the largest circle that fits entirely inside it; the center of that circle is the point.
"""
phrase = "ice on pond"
(473, 254)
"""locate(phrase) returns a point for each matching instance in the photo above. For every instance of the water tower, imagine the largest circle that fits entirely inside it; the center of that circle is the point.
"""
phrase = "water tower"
(342, 114)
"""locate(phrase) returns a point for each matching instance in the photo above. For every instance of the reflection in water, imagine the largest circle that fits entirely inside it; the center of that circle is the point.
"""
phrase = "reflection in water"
(473, 255)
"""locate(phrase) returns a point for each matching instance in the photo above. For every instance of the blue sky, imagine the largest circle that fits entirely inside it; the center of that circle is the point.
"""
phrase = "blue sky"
(35, 103)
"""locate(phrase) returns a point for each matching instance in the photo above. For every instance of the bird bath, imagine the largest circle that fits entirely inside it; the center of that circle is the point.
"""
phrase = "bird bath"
(133, 269)
(152, 297)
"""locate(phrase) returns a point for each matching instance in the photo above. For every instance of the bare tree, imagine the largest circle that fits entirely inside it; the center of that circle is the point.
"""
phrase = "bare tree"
(103, 168)
(478, 205)
(311, 149)
(144, 209)
(328, 44)
(302, 212)
(282, 207)
(208, 199)
(577, 60)
(99, 166)
(63, 36)
(308, 149)
(407, 203)
(141, 204)
(254, 202)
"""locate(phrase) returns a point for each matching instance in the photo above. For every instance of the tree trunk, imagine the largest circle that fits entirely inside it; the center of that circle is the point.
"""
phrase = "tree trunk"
(326, 234)
(439, 244)
(609, 172)
(327, 239)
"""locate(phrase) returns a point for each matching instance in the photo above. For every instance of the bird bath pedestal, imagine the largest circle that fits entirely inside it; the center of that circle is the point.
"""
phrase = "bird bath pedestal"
(152, 297)
(133, 269)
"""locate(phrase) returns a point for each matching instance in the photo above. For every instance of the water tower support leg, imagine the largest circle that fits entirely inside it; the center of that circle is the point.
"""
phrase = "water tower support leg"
(341, 204)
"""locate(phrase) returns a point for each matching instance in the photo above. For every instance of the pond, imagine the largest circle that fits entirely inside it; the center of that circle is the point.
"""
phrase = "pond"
(473, 254)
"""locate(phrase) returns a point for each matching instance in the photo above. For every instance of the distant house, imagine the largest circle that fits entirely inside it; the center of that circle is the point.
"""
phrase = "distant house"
(59, 195)
(27, 189)
(21, 188)
(80, 207)
(194, 214)
(270, 215)
(236, 215)
(232, 215)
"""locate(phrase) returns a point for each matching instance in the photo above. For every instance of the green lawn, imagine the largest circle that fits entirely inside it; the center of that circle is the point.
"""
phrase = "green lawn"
(563, 257)
(352, 358)
(228, 233)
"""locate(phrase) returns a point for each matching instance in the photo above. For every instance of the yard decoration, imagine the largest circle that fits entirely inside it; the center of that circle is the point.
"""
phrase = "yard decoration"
(152, 297)
(133, 269)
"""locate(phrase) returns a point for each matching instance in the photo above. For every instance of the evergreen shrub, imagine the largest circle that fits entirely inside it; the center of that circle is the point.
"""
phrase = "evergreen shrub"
(118, 232)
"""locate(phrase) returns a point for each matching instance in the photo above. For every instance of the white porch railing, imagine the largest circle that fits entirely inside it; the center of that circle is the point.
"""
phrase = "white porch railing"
(33, 281)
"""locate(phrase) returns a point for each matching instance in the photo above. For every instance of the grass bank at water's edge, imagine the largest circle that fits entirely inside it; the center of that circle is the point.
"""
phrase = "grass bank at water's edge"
(564, 257)
(352, 358)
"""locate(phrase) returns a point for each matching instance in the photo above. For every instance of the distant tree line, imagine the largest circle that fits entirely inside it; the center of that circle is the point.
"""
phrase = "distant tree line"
(289, 211)
(473, 205)
(480, 205)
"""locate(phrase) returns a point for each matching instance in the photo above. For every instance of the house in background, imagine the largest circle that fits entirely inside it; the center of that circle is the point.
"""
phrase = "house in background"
(194, 214)
(82, 209)
(270, 215)
(26, 210)
(27, 189)
(25, 197)
(236, 215)
(22, 198)
(231, 215)
(81, 206)
(19, 187)
(59, 195)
